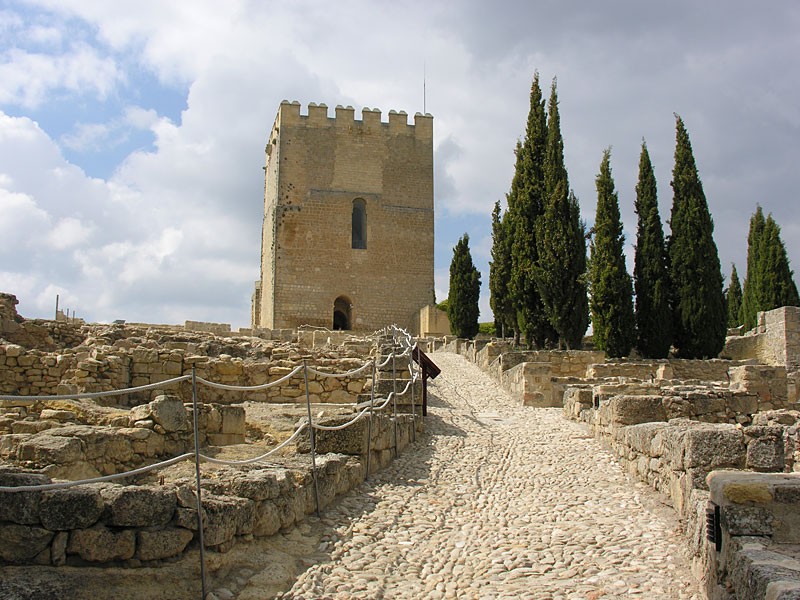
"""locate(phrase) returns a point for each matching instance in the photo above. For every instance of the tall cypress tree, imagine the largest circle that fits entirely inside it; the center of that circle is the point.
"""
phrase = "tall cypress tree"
(500, 272)
(733, 298)
(751, 299)
(561, 243)
(650, 270)
(526, 205)
(465, 289)
(699, 311)
(777, 284)
(611, 298)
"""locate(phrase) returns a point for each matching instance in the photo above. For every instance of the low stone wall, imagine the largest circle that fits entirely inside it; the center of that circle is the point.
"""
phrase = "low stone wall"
(759, 555)
(139, 525)
(774, 341)
(680, 457)
(215, 328)
(57, 444)
(32, 372)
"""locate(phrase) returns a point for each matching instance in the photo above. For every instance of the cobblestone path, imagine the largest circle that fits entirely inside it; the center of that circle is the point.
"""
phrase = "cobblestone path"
(498, 501)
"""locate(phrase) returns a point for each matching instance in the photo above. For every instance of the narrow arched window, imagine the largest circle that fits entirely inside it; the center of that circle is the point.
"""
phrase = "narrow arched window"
(359, 224)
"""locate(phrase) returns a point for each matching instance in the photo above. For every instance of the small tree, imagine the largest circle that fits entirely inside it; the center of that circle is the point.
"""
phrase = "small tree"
(499, 274)
(733, 298)
(525, 207)
(465, 289)
(700, 317)
(560, 273)
(650, 270)
(777, 284)
(611, 298)
(751, 295)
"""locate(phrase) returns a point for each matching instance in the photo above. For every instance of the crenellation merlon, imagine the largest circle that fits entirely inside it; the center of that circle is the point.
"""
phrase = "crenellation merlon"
(344, 118)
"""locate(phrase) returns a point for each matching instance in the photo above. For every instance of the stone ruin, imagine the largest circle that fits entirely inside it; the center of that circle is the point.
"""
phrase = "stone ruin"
(718, 438)
(147, 518)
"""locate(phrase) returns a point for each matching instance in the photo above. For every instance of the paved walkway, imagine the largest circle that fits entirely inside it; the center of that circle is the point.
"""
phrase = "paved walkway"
(499, 501)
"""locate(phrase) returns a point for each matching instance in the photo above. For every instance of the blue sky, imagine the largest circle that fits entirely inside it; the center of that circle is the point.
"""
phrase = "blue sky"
(132, 133)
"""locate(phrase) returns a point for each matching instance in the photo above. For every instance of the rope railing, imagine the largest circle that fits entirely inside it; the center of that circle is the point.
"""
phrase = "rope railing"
(365, 409)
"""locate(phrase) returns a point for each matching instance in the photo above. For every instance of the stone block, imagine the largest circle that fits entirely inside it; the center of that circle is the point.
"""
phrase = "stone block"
(139, 506)
(163, 543)
(47, 449)
(233, 419)
(21, 507)
(714, 447)
(71, 508)
(22, 543)
(100, 544)
(168, 411)
(631, 410)
(746, 520)
(267, 518)
(765, 448)
(262, 484)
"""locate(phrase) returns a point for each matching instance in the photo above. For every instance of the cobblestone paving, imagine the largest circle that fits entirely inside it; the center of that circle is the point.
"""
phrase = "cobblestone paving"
(498, 501)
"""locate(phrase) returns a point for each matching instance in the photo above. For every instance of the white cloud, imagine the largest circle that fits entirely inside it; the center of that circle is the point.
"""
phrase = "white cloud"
(26, 78)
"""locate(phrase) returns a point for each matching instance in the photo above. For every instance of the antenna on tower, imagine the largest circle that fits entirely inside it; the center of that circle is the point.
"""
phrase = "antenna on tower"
(424, 107)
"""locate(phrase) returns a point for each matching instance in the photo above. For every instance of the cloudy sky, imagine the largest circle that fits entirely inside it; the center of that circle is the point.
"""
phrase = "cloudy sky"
(132, 133)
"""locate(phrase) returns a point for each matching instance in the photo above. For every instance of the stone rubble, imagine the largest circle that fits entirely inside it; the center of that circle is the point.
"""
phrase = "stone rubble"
(497, 501)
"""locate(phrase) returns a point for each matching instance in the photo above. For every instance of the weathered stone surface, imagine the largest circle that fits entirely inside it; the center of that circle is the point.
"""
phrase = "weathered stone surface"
(101, 544)
(765, 450)
(21, 543)
(263, 484)
(58, 548)
(713, 446)
(630, 410)
(45, 448)
(747, 520)
(168, 411)
(162, 543)
(139, 506)
(267, 520)
(20, 507)
(351, 440)
(71, 508)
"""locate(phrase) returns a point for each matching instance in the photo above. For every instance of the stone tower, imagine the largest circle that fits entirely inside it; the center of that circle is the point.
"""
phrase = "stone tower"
(347, 237)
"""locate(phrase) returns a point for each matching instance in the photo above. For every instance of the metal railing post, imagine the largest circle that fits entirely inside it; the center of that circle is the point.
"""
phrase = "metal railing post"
(413, 408)
(394, 390)
(312, 439)
(369, 422)
(195, 415)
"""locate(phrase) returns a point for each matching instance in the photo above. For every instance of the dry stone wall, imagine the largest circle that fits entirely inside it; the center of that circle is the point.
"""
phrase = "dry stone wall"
(139, 525)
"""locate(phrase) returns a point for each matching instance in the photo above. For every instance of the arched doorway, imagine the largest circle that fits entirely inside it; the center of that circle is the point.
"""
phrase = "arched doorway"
(342, 314)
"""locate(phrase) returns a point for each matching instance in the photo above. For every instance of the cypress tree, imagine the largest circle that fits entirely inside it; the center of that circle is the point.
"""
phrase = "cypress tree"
(699, 311)
(500, 272)
(751, 299)
(561, 243)
(777, 284)
(650, 270)
(733, 298)
(526, 205)
(465, 289)
(611, 297)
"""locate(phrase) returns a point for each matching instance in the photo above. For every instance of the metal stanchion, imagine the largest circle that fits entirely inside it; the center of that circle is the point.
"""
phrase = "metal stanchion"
(195, 416)
(369, 422)
(312, 439)
(413, 408)
(394, 392)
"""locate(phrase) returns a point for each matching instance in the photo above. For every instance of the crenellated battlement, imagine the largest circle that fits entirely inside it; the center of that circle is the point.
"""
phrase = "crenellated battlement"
(344, 118)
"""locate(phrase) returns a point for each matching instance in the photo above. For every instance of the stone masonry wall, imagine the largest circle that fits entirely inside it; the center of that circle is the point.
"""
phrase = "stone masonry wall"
(140, 525)
(316, 166)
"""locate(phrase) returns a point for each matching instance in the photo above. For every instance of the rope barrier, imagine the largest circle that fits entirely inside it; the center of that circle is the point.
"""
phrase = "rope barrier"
(366, 408)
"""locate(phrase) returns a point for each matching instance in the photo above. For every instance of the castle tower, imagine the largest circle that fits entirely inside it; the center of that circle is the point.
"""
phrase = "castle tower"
(347, 237)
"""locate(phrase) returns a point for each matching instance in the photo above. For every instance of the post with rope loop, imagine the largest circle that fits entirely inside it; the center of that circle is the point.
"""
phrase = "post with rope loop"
(369, 422)
(312, 439)
(413, 409)
(394, 390)
(195, 417)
